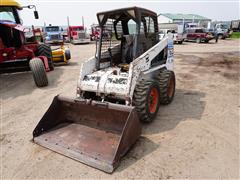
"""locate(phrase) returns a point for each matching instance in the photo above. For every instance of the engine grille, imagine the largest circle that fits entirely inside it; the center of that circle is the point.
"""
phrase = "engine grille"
(55, 36)
(81, 35)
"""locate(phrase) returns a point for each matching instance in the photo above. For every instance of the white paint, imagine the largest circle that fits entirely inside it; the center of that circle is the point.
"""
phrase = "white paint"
(121, 85)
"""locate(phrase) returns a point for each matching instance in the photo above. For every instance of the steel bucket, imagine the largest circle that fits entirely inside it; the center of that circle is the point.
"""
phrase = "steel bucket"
(97, 134)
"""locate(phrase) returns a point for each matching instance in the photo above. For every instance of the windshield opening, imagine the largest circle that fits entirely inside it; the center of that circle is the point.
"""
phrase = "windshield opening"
(7, 15)
(224, 26)
(78, 29)
(124, 38)
(52, 29)
(200, 31)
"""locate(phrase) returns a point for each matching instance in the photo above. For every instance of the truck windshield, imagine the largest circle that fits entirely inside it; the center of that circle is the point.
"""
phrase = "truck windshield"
(7, 14)
(200, 31)
(224, 26)
(78, 29)
(52, 29)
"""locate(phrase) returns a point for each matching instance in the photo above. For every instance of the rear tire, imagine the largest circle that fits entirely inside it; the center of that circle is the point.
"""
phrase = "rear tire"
(39, 73)
(146, 100)
(167, 85)
(45, 50)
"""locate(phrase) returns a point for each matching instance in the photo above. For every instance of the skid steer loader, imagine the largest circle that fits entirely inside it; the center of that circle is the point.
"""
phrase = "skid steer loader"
(127, 79)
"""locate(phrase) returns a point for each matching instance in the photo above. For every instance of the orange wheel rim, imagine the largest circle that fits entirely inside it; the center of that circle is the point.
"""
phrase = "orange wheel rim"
(153, 100)
(170, 89)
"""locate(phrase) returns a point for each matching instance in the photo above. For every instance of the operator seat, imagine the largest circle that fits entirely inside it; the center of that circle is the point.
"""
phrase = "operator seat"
(127, 48)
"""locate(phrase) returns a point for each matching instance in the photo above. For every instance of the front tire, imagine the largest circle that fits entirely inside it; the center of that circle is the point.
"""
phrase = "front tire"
(146, 100)
(198, 40)
(39, 73)
(45, 50)
(167, 85)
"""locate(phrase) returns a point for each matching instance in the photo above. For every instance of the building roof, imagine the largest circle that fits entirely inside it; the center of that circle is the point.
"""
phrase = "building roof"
(184, 16)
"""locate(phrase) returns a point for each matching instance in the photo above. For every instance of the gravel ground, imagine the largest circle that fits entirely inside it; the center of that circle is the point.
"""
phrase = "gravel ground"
(197, 136)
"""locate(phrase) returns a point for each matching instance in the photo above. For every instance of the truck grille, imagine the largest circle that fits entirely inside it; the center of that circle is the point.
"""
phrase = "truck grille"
(81, 35)
(55, 36)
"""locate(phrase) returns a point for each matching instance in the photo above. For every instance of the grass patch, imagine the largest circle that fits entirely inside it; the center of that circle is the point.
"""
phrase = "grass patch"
(235, 35)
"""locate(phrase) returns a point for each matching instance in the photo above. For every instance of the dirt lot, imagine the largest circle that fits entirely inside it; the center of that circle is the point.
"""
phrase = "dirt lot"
(197, 136)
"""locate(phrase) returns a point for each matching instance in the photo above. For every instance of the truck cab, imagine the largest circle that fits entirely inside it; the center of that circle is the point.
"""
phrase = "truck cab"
(95, 32)
(235, 25)
(77, 35)
(53, 34)
(179, 34)
(199, 35)
(221, 30)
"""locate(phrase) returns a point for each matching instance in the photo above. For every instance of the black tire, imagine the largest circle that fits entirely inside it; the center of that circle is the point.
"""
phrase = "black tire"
(220, 36)
(142, 97)
(198, 40)
(206, 41)
(39, 73)
(67, 54)
(167, 85)
(180, 42)
(45, 50)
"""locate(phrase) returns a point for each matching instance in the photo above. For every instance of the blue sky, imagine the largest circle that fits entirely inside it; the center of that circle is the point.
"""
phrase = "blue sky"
(55, 12)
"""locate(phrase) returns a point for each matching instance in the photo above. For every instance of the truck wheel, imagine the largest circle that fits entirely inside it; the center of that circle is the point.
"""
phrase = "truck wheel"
(39, 73)
(220, 36)
(167, 85)
(198, 40)
(146, 100)
(45, 50)
(180, 42)
(67, 54)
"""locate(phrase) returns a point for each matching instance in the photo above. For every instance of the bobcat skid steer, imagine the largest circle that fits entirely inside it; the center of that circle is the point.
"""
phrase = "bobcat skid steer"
(125, 82)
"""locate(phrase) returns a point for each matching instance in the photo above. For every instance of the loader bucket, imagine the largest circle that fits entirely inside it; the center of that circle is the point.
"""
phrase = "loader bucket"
(97, 134)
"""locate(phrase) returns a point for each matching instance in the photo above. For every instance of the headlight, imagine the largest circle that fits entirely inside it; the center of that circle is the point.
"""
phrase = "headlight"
(47, 37)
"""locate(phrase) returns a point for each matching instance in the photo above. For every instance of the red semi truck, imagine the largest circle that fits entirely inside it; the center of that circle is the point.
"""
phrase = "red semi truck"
(95, 32)
(77, 35)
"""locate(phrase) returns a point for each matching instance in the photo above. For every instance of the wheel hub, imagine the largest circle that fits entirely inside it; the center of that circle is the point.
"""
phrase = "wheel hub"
(153, 100)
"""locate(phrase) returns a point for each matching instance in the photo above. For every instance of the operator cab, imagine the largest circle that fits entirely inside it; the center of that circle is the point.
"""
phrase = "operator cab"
(10, 33)
(125, 35)
(9, 17)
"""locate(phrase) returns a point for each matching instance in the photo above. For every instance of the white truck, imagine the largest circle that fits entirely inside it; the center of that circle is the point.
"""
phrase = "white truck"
(221, 30)
(176, 29)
